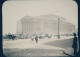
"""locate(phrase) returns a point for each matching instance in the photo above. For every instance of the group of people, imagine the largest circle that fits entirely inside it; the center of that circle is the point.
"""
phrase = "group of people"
(36, 39)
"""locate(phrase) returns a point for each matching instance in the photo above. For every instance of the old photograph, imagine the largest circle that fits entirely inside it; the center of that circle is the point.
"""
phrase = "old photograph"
(36, 28)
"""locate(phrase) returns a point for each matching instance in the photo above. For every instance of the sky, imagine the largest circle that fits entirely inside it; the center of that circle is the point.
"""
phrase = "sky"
(15, 10)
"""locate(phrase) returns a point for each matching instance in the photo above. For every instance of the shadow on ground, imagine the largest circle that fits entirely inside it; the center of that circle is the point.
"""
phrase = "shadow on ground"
(65, 43)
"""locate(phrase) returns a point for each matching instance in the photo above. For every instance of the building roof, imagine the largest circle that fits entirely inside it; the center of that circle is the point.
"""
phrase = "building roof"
(48, 17)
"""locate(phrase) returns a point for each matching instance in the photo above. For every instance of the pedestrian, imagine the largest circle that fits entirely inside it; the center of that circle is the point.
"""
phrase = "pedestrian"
(32, 38)
(36, 39)
(74, 46)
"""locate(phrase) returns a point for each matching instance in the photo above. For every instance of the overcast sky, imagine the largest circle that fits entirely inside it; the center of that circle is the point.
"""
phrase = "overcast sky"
(15, 10)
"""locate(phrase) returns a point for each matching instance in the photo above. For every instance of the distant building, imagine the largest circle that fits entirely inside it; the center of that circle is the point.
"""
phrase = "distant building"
(46, 24)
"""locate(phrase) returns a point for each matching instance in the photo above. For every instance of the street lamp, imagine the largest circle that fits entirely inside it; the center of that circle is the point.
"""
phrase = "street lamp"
(58, 28)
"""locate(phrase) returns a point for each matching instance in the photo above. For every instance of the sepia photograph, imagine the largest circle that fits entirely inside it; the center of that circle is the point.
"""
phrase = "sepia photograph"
(37, 28)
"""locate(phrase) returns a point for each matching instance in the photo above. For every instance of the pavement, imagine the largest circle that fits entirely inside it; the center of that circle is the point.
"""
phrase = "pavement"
(28, 43)
(32, 49)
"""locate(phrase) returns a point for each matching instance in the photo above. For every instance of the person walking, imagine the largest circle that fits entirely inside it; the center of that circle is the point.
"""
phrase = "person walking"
(74, 46)
(32, 39)
(36, 39)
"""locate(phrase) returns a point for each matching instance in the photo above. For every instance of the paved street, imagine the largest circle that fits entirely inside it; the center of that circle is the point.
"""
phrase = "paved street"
(45, 47)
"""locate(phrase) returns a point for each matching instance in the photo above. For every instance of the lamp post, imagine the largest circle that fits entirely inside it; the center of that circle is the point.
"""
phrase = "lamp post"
(58, 28)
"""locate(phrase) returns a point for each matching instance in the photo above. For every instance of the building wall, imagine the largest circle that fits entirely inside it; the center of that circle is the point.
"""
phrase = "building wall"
(66, 27)
(45, 26)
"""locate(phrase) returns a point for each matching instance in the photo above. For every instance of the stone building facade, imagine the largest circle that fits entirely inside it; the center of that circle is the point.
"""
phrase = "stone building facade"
(46, 24)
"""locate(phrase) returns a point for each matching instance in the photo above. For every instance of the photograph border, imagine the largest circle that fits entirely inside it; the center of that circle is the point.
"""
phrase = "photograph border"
(1, 46)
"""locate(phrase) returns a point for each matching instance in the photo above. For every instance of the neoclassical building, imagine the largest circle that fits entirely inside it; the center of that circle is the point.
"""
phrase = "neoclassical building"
(45, 24)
